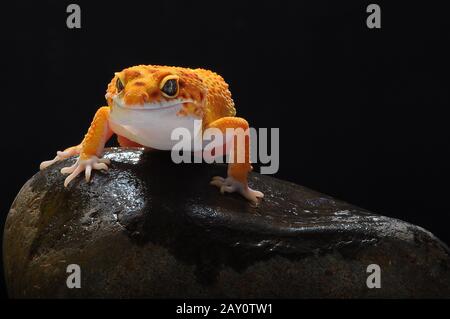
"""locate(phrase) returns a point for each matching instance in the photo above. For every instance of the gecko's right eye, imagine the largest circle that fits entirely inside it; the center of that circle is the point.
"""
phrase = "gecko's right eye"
(119, 85)
(169, 86)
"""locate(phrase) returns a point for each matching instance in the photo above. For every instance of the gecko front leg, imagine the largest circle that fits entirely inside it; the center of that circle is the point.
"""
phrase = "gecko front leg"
(90, 149)
(238, 169)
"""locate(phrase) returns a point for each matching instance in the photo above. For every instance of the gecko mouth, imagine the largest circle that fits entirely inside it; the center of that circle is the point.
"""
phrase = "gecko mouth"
(118, 102)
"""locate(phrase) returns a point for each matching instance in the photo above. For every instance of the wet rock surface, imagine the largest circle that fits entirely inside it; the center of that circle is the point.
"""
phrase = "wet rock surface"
(151, 228)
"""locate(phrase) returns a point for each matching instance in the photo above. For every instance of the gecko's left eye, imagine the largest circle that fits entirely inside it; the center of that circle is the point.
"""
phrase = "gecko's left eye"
(119, 85)
(170, 87)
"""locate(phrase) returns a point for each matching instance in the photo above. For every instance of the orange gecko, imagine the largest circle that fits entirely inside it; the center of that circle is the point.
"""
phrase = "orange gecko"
(145, 104)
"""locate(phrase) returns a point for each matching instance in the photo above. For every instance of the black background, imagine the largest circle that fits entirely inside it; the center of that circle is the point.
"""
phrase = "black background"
(362, 112)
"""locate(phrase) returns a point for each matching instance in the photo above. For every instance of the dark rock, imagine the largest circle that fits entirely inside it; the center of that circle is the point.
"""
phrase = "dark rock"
(150, 228)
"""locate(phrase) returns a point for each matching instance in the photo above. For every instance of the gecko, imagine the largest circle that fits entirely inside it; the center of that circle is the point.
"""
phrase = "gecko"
(144, 104)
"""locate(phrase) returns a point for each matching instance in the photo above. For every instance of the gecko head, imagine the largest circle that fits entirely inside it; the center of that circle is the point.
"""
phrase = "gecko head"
(149, 87)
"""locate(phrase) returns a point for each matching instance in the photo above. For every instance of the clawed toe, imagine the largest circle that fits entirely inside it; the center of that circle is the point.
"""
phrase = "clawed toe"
(69, 169)
(104, 161)
(46, 164)
(60, 155)
(217, 181)
(72, 175)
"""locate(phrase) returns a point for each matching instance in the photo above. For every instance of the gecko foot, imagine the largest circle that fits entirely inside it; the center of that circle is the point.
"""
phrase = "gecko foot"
(84, 165)
(230, 185)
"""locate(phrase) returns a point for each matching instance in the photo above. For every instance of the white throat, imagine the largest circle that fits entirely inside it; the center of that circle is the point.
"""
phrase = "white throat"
(152, 124)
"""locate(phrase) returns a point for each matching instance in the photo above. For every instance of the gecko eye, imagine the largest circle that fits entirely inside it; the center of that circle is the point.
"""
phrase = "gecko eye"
(170, 87)
(119, 85)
